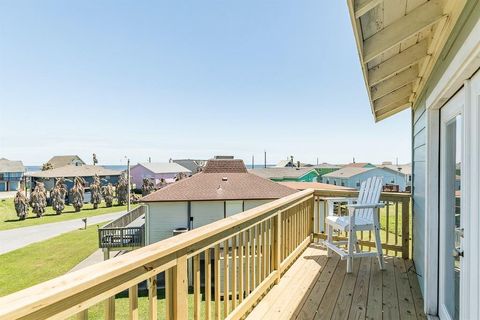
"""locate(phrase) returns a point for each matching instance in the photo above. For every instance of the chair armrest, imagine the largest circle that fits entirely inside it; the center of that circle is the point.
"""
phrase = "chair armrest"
(366, 205)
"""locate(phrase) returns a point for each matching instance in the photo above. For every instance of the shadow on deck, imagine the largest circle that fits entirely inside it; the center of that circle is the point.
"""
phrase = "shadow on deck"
(318, 287)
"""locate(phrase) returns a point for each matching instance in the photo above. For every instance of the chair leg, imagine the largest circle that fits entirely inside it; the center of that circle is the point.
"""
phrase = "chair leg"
(351, 243)
(355, 240)
(378, 244)
(329, 239)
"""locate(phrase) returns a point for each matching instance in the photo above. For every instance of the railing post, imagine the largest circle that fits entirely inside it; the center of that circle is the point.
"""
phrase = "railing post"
(180, 289)
(406, 228)
(311, 208)
(277, 247)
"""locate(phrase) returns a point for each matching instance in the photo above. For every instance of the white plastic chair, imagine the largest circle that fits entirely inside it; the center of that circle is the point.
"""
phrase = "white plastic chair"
(361, 216)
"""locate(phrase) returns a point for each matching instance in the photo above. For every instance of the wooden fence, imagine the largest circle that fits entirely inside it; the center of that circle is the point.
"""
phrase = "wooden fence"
(228, 265)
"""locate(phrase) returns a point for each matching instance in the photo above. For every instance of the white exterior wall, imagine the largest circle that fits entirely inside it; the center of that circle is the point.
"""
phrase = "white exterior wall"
(163, 217)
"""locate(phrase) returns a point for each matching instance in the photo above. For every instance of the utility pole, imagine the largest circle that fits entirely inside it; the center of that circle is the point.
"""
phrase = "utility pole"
(265, 158)
(128, 181)
(253, 162)
(317, 161)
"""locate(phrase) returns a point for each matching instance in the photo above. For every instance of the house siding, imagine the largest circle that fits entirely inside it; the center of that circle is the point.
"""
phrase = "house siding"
(387, 175)
(468, 18)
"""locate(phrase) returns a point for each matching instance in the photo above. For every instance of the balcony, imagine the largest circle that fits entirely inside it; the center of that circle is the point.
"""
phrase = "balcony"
(263, 263)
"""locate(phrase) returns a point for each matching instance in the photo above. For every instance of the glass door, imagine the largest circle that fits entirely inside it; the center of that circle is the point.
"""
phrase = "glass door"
(451, 218)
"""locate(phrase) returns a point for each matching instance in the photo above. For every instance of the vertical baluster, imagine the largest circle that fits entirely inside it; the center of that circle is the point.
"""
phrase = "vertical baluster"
(217, 281)
(110, 308)
(252, 258)
(208, 287)
(258, 263)
(247, 262)
(169, 294)
(269, 244)
(82, 315)
(261, 243)
(241, 267)
(277, 245)
(196, 287)
(226, 279)
(133, 302)
(387, 223)
(396, 222)
(264, 250)
(234, 272)
(152, 298)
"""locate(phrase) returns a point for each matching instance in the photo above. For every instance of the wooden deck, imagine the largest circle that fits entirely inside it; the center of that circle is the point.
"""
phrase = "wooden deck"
(317, 287)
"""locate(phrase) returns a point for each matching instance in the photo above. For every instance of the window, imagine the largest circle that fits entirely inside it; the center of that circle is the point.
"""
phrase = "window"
(393, 181)
(410, 178)
(334, 182)
(328, 181)
(343, 184)
(358, 184)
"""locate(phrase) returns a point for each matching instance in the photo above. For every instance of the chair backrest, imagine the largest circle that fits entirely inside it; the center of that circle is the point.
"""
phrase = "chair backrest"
(370, 191)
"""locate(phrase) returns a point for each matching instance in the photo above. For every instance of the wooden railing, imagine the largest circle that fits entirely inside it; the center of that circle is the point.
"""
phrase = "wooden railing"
(228, 266)
(118, 234)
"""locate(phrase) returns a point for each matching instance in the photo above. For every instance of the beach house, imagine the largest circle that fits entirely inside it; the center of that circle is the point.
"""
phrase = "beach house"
(279, 174)
(65, 160)
(352, 177)
(11, 174)
(159, 172)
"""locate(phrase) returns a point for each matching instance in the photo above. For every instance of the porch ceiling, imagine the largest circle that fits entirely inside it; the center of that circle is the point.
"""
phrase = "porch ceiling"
(398, 42)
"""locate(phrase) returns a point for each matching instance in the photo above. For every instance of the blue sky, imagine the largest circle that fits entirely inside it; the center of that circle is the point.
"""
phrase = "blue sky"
(176, 79)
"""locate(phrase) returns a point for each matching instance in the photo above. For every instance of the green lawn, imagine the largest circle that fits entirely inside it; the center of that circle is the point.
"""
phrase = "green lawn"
(45, 260)
(9, 219)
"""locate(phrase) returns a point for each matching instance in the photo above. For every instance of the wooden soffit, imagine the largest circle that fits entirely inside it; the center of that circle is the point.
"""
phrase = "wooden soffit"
(399, 42)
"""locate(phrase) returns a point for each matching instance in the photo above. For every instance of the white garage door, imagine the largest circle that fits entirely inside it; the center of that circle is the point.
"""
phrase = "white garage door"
(205, 212)
(233, 207)
(163, 217)
(249, 204)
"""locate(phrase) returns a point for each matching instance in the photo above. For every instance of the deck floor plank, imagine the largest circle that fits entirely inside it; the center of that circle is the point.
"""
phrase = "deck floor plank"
(405, 299)
(325, 310)
(317, 287)
(309, 308)
(390, 298)
(416, 293)
(375, 293)
(344, 299)
(359, 303)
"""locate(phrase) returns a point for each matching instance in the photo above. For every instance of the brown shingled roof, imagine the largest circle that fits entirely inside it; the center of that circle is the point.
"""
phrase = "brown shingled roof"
(224, 166)
(220, 186)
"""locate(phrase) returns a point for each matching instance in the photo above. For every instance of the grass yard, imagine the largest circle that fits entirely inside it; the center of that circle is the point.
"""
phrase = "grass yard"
(45, 260)
(9, 219)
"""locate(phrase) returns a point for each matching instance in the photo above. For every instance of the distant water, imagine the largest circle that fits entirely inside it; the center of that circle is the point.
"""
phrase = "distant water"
(107, 166)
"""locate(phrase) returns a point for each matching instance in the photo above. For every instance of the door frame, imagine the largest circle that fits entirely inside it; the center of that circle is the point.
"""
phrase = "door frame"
(462, 67)
(459, 100)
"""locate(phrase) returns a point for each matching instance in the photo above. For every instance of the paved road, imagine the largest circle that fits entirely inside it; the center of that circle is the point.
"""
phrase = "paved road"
(7, 194)
(17, 238)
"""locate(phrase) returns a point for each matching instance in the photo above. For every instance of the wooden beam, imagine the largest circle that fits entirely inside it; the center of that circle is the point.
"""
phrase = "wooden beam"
(363, 6)
(394, 83)
(393, 109)
(397, 95)
(398, 62)
(403, 28)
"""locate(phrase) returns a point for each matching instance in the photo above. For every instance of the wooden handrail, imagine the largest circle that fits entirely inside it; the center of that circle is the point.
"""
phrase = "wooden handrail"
(248, 252)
